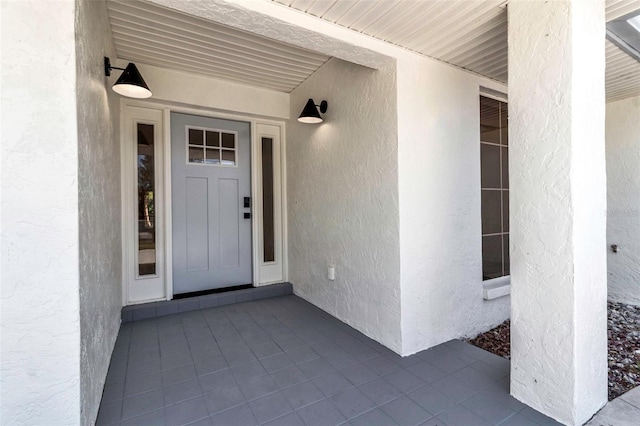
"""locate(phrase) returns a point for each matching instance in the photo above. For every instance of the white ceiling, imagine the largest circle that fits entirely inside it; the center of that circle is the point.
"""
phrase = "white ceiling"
(470, 34)
(158, 36)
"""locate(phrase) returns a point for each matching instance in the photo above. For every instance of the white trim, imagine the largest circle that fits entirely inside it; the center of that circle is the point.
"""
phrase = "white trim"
(168, 216)
(272, 271)
(497, 287)
(136, 288)
(166, 109)
(493, 94)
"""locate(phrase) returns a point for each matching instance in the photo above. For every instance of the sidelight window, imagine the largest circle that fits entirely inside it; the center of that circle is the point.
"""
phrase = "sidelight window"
(494, 164)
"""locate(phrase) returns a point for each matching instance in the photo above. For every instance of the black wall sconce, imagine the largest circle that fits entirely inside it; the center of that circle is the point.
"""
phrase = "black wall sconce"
(130, 84)
(310, 112)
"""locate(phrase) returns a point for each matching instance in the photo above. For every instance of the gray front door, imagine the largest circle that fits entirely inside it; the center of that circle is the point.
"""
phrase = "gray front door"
(210, 178)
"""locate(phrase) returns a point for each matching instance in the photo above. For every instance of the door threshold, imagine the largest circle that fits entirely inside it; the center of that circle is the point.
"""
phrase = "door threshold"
(227, 296)
(211, 291)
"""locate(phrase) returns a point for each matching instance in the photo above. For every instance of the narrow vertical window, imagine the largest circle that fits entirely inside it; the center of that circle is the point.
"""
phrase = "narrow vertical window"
(146, 200)
(268, 227)
(494, 163)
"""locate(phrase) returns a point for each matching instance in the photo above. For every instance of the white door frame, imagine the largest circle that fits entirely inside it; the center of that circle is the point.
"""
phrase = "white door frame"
(256, 192)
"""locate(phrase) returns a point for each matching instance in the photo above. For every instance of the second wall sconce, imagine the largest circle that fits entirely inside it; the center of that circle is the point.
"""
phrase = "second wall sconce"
(130, 84)
(310, 112)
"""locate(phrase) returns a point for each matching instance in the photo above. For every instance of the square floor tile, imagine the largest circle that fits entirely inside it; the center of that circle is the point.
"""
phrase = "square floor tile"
(332, 383)
(288, 377)
(375, 417)
(382, 365)
(315, 367)
(431, 399)
(186, 412)
(142, 384)
(223, 399)
(352, 402)
(321, 413)
(270, 407)
(538, 417)
(488, 408)
(302, 394)
(236, 416)
(291, 419)
(266, 350)
(454, 388)
(218, 380)
(109, 413)
(358, 374)
(210, 364)
(459, 415)
(142, 403)
(301, 354)
(257, 387)
(405, 412)
(248, 370)
(426, 371)
(380, 391)
(276, 362)
(181, 391)
(404, 381)
(155, 418)
(178, 374)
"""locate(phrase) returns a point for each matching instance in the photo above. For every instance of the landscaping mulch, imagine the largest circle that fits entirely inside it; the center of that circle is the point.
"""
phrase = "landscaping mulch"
(623, 330)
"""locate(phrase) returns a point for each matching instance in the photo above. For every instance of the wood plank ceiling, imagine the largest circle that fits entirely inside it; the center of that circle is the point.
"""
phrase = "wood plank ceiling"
(468, 34)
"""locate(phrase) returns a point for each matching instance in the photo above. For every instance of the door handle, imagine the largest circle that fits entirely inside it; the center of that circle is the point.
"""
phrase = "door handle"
(247, 202)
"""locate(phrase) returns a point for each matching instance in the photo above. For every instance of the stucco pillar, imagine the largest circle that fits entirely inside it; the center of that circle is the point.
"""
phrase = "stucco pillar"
(558, 203)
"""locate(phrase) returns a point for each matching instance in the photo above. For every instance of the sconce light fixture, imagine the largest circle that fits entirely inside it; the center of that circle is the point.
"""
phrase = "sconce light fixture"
(310, 112)
(130, 84)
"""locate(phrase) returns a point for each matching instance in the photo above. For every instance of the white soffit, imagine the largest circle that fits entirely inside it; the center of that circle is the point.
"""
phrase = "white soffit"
(150, 34)
(468, 34)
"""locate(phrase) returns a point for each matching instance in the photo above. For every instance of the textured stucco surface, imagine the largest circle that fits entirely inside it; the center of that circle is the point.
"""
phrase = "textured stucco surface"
(438, 168)
(439, 193)
(623, 199)
(557, 205)
(99, 204)
(40, 348)
(196, 90)
(342, 196)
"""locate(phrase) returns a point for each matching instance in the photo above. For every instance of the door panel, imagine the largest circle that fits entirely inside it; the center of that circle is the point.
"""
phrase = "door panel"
(211, 237)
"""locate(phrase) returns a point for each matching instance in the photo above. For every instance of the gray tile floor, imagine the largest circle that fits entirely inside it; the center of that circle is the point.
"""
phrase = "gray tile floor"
(282, 361)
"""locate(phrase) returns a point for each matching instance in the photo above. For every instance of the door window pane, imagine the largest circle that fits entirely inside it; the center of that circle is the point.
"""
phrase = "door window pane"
(268, 227)
(228, 157)
(196, 155)
(195, 137)
(213, 138)
(211, 147)
(146, 200)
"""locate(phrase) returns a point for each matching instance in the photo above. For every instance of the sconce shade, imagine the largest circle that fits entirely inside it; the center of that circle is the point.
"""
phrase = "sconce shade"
(131, 84)
(310, 112)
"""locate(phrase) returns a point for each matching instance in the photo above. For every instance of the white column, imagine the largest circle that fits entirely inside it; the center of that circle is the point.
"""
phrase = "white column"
(558, 203)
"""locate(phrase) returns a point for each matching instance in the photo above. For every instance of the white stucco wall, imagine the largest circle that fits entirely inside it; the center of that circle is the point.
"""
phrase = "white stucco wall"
(190, 90)
(623, 199)
(557, 205)
(40, 349)
(99, 204)
(440, 215)
(438, 166)
(342, 198)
